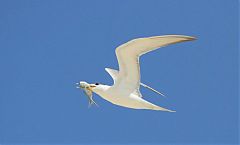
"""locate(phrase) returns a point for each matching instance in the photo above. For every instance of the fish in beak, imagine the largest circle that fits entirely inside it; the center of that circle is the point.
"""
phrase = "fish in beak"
(87, 89)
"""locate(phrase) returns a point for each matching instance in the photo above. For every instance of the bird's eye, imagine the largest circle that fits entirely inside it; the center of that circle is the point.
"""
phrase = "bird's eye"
(96, 83)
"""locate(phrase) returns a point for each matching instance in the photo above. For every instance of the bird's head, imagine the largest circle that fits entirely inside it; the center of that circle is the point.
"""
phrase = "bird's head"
(88, 89)
(85, 85)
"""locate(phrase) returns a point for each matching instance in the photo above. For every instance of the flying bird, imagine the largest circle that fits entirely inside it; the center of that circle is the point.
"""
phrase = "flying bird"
(125, 89)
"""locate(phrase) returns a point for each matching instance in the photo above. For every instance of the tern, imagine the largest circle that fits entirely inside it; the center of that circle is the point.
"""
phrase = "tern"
(125, 89)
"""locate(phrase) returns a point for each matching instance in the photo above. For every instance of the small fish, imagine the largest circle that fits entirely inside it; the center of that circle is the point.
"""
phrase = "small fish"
(90, 97)
(86, 89)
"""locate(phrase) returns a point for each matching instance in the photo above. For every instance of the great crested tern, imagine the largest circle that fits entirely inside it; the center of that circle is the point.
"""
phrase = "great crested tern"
(125, 90)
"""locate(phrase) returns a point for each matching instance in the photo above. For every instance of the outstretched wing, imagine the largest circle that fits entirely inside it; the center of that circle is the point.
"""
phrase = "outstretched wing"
(128, 58)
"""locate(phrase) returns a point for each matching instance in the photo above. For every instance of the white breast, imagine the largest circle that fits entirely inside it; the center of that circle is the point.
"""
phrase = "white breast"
(126, 100)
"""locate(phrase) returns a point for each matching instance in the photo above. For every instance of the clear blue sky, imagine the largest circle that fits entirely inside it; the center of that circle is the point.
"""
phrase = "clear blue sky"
(47, 46)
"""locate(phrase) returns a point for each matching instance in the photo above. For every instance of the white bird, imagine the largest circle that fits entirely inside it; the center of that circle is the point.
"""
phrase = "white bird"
(125, 90)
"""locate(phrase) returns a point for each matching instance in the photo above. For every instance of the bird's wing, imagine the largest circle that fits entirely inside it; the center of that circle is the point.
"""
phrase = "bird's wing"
(128, 58)
(114, 74)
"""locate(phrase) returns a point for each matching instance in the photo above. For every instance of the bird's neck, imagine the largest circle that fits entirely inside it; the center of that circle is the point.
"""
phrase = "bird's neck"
(101, 89)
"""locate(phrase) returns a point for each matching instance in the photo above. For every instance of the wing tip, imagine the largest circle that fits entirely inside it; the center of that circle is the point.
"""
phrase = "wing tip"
(163, 109)
(107, 69)
(184, 38)
(167, 110)
(191, 38)
(187, 38)
(172, 111)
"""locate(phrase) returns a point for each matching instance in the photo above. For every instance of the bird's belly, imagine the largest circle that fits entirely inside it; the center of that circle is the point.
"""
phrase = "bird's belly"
(130, 101)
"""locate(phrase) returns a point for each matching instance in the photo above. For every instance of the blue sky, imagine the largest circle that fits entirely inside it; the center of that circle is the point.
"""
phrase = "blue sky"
(47, 46)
